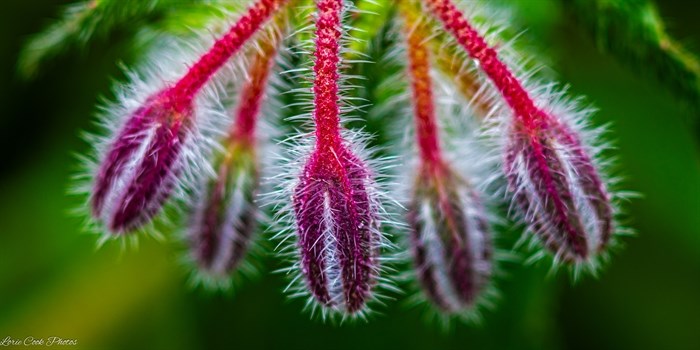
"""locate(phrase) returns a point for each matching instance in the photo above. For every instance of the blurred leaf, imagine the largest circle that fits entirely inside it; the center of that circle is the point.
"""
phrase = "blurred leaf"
(81, 22)
(634, 33)
(367, 23)
(184, 18)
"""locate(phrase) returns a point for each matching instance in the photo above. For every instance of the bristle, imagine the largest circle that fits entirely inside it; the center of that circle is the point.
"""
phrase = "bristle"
(553, 180)
(450, 235)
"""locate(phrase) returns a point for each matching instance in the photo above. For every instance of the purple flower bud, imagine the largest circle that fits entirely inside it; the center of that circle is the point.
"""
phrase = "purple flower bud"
(224, 219)
(558, 190)
(337, 227)
(450, 237)
(139, 169)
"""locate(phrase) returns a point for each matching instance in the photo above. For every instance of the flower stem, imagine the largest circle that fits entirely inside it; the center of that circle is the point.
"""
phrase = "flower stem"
(248, 110)
(421, 85)
(198, 75)
(509, 86)
(325, 88)
(449, 61)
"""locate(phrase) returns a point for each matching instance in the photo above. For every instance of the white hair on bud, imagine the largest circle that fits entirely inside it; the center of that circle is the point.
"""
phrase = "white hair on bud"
(165, 63)
(573, 114)
(461, 147)
(552, 99)
(289, 162)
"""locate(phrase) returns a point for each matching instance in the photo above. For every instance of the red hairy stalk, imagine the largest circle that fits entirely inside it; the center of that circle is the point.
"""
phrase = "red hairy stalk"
(450, 236)
(555, 183)
(143, 162)
(326, 113)
(447, 58)
(248, 110)
(225, 47)
(510, 87)
(336, 219)
(419, 69)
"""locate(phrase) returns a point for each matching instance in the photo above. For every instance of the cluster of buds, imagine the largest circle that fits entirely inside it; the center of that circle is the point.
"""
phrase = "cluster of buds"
(553, 181)
(336, 219)
(142, 162)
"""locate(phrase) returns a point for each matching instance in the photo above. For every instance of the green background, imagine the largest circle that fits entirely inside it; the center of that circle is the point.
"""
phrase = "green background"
(54, 282)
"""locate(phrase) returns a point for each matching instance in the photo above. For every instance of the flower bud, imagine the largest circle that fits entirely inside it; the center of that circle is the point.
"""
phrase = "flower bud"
(141, 164)
(224, 218)
(337, 230)
(556, 185)
(138, 172)
(224, 215)
(558, 190)
(450, 239)
(335, 214)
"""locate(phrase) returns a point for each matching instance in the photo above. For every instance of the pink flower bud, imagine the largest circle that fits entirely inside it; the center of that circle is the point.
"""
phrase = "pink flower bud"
(450, 235)
(450, 239)
(556, 185)
(140, 166)
(225, 216)
(337, 229)
(557, 188)
(335, 213)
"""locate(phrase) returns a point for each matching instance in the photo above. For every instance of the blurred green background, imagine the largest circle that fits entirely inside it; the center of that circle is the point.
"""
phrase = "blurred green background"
(53, 281)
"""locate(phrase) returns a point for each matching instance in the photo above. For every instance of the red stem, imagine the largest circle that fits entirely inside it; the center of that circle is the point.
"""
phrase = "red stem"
(198, 75)
(326, 112)
(424, 109)
(252, 93)
(509, 86)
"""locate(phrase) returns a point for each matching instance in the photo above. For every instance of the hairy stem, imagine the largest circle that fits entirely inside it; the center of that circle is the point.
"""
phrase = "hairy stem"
(326, 112)
(248, 110)
(421, 85)
(449, 61)
(225, 47)
(509, 86)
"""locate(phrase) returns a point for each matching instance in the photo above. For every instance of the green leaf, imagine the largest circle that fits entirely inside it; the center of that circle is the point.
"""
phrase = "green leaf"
(633, 32)
(370, 19)
(79, 23)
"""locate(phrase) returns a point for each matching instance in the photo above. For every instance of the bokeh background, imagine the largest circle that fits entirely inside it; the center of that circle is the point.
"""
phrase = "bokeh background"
(54, 282)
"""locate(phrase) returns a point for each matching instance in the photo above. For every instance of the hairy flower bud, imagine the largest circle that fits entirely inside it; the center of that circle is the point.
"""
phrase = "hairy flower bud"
(450, 238)
(138, 171)
(139, 168)
(337, 228)
(558, 190)
(335, 214)
(224, 218)
(555, 183)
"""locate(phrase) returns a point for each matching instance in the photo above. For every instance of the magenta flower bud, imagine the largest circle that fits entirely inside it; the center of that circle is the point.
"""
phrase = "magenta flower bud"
(558, 190)
(337, 230)
(449, 235)
(225, 215)
(140, 166)
(335, 213)
(450, 240)
(556, 185)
